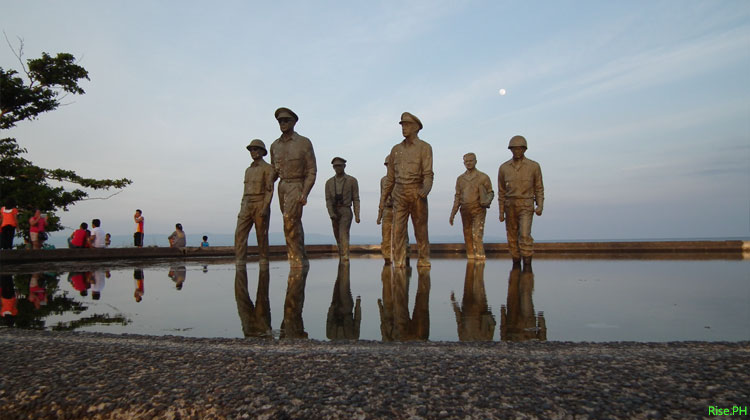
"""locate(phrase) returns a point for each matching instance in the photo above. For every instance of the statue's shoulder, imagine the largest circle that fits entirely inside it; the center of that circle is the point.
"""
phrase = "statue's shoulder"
(482, 175)
(532, 162)
(302, 138)
(424, 144)
(506, 163)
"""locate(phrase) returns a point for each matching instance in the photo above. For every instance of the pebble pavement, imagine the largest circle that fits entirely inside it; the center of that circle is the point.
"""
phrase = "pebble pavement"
(75, 375)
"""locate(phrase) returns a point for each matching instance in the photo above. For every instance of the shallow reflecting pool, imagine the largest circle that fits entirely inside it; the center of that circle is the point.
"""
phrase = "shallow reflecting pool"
(561, 299)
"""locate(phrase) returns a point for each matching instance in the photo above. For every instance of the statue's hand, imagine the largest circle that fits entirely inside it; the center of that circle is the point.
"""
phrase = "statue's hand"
(450, 220)
(502, 216)
(356, 219)
(380, 216)
(538, 211)
(422, 193)
(303, 200)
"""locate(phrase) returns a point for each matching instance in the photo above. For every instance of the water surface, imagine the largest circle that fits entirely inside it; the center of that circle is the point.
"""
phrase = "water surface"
(560, 299)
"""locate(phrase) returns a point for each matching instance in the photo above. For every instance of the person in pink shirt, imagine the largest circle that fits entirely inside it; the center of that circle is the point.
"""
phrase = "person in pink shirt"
(37, 224)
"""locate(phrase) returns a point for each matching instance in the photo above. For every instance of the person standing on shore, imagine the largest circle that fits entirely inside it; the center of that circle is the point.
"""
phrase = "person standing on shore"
(9, 223)
(342, 191)
(293, 159)
(473, 196)
(255, 208)
(138, 235)
(37, 224)
(408, 182)
(519, 185)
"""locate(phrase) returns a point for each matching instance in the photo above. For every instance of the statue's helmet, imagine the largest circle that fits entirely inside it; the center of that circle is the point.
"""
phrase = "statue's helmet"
(259, 144)
(517, 141)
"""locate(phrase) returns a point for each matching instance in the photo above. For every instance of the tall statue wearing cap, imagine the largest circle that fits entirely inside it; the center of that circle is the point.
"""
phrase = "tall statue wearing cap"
(519, 185)
(256, 203)
(342, 191)
(408, 182)
(386, 218)
(293, 159)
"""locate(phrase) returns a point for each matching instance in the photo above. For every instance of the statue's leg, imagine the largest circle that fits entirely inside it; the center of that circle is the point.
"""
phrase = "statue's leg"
(387, 232)
(244, 224)
(468, 236)
(345, 226)
(419, 219)
(511, 228)
(477, 230)
(400, 218)
(525, 241)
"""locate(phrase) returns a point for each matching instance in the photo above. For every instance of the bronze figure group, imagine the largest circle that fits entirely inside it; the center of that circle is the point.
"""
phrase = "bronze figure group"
(403, 195)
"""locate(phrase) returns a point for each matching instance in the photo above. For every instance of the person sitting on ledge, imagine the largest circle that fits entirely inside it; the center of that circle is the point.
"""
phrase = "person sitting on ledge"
(80, 237)
(177, 239)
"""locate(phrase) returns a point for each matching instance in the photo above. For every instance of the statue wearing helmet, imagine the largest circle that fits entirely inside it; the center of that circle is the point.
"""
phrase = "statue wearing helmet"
(519, 184)
(256, 202)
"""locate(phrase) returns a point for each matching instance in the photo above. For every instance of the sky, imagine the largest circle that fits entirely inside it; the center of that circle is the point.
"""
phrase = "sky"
(638, 112)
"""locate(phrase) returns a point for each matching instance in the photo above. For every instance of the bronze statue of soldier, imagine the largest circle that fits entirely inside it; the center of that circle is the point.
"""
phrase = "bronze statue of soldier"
(408, 182)
(519, 186)
(256, 203)
(385, 219)
(342, 191)
(293, 158)
(473, 196)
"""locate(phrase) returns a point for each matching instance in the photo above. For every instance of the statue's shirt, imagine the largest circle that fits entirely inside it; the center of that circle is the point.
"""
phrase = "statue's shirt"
(412, 163)
(259, 177)
(469, 186)
(294, 159)
(521, 179)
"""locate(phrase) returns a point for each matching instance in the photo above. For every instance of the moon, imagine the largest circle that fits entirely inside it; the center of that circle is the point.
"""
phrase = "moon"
(501, 92)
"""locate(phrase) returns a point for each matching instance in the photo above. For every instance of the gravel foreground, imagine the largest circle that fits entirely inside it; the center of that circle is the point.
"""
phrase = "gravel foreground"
(75, 375)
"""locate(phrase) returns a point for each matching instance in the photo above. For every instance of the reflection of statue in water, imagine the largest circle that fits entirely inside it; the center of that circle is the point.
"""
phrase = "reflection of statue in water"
(293, 158)
(342, 191)
(416, 327)
(344, 316)
(385, 217)
(473, 195)
(255, 207)
(519, 185)
(292, 326)
(256, 318)
(178, 274)
(408, 182)
(474, 320)
(385, 304)
(518, 322)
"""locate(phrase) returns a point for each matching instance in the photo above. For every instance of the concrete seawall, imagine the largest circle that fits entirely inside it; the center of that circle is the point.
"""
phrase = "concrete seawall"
(674, 249)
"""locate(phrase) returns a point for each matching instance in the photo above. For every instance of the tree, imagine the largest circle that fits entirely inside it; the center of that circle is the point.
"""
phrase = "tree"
(22, 183)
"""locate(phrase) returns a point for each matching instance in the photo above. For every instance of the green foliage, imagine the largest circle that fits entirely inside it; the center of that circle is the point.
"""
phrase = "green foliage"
(47, 78)
(23, 184)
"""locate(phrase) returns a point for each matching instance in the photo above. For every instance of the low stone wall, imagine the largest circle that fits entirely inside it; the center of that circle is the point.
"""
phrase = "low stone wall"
(734, 248)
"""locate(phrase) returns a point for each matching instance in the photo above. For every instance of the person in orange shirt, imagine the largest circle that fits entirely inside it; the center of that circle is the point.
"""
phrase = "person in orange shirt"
(9, 224)
(138, 235)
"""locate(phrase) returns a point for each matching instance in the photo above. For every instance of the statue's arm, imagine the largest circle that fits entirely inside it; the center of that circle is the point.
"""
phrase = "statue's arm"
(538, 190)
(387, 186)
(427, 174)
(355, 197)
(456, 200)
(311, 170)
